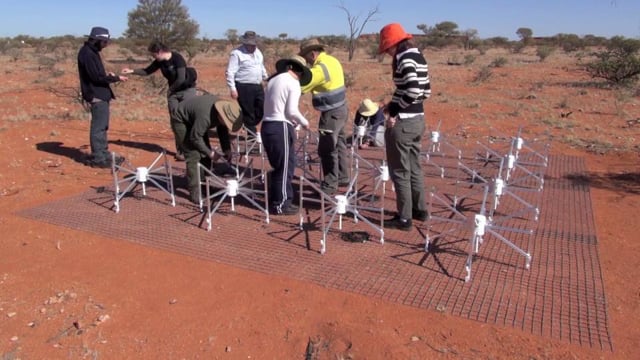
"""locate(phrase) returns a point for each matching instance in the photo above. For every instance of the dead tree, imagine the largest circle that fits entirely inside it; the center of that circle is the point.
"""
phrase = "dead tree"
(356, 28)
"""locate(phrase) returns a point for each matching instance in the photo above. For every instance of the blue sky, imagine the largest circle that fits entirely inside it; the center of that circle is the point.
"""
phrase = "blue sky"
(304, 18)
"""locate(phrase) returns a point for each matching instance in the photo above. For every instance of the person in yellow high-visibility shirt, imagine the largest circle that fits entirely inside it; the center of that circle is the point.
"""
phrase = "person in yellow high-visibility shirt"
(329, 97)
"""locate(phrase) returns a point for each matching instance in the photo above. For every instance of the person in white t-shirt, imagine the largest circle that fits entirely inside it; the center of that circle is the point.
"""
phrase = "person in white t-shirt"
(281, 116)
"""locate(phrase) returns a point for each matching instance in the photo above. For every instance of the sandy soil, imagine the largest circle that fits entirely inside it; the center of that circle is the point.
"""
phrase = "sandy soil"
(72, 294)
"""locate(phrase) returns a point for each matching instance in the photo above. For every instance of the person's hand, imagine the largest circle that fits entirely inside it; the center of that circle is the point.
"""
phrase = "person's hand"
(234, 94)
(385, 109)
(391, 122)
(126, 71)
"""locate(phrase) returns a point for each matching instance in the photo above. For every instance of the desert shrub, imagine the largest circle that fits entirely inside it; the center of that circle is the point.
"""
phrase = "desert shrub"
(15, 53)
(46, 63)
(569, 42)
(544, 51)
(469, 59)
(619, 63)
(518, 47)
(499, 62)
(483, 74)
(372, 51)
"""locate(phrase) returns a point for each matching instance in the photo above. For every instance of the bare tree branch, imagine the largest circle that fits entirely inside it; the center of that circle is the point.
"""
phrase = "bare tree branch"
(356, 27)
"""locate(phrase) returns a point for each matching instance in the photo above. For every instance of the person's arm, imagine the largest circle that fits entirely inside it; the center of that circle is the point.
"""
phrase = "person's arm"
(97, 75)
(199, 130)
(292, 109)
(317, 78)
(357, 120)
(153, 67)
(378, 118)
(232, 68)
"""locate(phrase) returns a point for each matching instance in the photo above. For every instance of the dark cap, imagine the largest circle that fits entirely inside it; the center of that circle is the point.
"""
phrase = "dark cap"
(99, 33)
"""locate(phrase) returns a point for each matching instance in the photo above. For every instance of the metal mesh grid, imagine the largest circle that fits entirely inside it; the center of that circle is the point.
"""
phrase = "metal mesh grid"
(561, 296)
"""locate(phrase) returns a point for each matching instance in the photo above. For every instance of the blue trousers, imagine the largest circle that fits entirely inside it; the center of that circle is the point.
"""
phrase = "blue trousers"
(278, 139)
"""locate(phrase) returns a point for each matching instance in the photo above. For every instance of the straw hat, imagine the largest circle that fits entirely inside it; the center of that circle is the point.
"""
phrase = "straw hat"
(309, 45)
(298, 63)
(230, 114)
(368, 108)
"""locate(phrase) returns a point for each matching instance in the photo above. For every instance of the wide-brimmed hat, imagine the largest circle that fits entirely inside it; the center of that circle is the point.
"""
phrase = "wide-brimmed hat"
(297, 63)
(368, 108)
(230, 114)
(249, 38)
(99, 33)
(310, 45)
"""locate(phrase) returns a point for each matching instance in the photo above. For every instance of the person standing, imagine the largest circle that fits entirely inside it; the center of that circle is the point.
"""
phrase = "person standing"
(405, 124)
(329, 97)
(180, 79)
(281, 116)
(96, 91)
(245, 74)
(197, 115)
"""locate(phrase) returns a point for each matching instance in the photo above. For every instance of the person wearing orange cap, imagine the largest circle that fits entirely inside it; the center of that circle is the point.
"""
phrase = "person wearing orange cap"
(405, 124)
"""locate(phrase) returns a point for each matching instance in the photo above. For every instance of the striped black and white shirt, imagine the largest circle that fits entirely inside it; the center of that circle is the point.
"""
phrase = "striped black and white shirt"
(411, 78)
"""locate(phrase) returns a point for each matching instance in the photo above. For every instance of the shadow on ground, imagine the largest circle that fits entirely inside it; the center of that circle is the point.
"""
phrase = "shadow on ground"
(627, 182)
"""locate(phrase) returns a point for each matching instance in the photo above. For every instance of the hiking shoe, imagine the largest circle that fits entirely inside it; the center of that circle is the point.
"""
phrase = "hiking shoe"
(285, 210)
(398, 223)
(100, 164)
(179, 156)
(419, 215)
(119, 160)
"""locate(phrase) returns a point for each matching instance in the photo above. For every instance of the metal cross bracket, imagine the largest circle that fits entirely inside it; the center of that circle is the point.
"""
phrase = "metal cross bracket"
(130, 177)
(335, 206)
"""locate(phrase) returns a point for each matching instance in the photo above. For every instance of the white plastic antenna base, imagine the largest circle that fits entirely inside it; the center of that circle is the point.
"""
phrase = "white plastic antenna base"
(480, 222)
(232, 187)
(435, 136)
(384, 173)
(142, 174)
(341, 204)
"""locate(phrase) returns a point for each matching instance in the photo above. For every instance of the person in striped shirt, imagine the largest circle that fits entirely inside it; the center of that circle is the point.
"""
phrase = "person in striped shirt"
(405, 124)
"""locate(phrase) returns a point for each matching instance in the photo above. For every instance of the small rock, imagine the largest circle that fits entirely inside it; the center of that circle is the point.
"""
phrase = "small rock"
(227, 349)
(103, 318)
(173, 301)
(14, 338)
(31, 324)
(415, 338)
(11, 314)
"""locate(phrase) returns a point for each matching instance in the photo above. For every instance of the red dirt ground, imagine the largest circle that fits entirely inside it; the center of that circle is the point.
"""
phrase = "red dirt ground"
(72, 294)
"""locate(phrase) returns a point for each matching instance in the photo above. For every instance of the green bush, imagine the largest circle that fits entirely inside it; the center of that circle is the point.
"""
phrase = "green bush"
(619, 63)
(499, 62)
(544, 51)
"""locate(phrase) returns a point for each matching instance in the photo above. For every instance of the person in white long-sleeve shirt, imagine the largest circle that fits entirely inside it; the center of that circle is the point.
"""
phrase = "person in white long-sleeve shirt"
(245, 74)
(281, 116)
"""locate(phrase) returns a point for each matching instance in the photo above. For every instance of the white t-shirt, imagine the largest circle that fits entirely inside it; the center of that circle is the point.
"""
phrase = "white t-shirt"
(281, 100)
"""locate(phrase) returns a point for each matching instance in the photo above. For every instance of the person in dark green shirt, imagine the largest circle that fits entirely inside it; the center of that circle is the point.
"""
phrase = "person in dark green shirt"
(194, 117)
